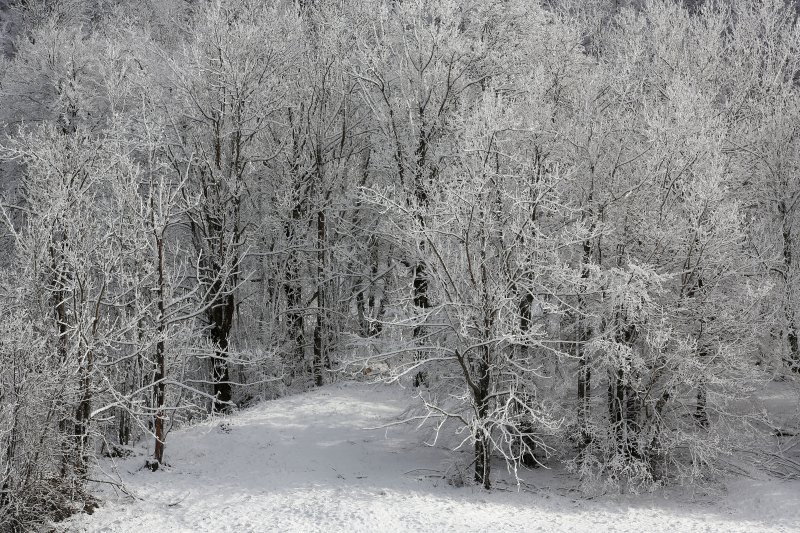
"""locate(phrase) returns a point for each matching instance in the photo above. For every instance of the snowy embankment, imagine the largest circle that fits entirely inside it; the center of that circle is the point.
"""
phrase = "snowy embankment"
(307, 463)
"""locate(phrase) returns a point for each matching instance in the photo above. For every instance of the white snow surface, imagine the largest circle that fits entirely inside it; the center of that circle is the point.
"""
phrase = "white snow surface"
(309, 463)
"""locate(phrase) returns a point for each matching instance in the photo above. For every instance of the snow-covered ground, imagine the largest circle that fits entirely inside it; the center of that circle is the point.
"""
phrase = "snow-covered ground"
(307, 463)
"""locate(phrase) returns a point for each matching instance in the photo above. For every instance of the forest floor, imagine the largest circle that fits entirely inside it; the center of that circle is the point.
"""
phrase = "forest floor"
(309, 463)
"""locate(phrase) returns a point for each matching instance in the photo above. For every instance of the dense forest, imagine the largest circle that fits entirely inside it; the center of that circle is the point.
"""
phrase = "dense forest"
(570, 227)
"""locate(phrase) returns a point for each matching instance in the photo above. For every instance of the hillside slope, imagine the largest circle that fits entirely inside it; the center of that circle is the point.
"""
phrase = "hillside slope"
(307, 463)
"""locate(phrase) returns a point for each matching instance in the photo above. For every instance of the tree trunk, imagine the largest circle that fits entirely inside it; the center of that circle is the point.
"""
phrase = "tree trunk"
(584, 397)
(791, 325)
(420, 282)
(482, 463)
(294, 291)
(616, 407)
(584, 368)
(82, 416)
(320, 328)
(701, 415)
(624, 405)
(221, 323)
(222, 305)
(421, 302)
(294, 315)
(161, 371)
(361, 314)
(60, 315)
(482, 444)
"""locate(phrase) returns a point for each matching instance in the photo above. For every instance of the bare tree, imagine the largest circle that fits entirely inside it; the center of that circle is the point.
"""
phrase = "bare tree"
(228, 87)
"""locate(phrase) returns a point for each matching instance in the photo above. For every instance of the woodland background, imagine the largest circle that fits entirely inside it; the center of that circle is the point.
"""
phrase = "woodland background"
(569, 226)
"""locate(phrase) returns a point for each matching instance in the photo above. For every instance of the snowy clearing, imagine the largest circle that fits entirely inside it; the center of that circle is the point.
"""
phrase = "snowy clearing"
(307, 463)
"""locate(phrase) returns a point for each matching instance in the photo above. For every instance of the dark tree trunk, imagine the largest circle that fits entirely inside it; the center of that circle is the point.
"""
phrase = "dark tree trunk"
(793, 360)
(292, 285)
(526, 443)
(624, 404)
(161, 371)
(124, 426)
(294, 312)
(701, 415)
(82, 416)
(160, 396)
(481, 393)
(370, 309)
(60, 315)
(616, 406)
(421, 302)
(361, 308)
(584, 397)
(219, 255)
(377, 298)
(221, 316)
(584, 334)
(420, 281)
(482, 463)
(320, 328)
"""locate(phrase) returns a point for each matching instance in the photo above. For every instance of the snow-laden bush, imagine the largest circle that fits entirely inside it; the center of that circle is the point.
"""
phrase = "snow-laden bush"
(40, 475)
